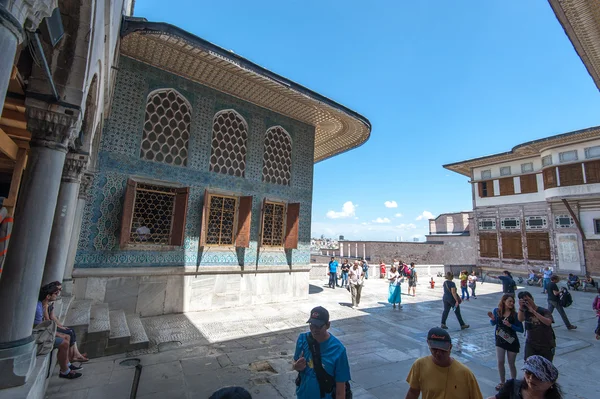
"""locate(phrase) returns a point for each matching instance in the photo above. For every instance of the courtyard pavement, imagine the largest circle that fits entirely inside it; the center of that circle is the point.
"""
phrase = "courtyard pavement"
(193, 354)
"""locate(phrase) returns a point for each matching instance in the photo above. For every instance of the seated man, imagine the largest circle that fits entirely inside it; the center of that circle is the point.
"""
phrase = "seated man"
(588, 281)
(573, 282)
(47, 295)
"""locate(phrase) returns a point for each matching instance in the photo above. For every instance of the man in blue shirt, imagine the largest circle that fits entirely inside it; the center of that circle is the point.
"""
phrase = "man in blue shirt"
(333, 265)
(333, 359)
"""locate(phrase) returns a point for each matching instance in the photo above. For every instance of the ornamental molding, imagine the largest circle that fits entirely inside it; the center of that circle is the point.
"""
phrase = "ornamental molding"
(74, 167)
(86, 183)
(56, 130)
(28, 13)
(337, 128)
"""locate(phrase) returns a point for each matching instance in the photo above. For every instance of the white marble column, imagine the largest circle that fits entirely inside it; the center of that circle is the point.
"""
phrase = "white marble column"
(64, 217)
(20, 283)
(341, 250)
(84, 187)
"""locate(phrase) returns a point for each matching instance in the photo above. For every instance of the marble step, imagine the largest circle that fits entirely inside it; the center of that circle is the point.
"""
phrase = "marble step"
(99, 321)
(119, 330)
(139, 338)
(78, 314)
(65, 304)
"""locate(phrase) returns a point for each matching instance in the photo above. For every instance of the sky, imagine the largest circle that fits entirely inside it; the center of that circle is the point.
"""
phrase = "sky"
(440, 81)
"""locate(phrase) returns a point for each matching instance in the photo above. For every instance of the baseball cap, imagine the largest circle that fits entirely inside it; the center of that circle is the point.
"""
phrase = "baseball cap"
(438, 338)
(319, 316)
(541, 367)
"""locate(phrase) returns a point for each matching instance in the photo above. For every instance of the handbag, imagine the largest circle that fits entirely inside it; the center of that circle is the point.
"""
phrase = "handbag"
(326, 381)
(44, 334)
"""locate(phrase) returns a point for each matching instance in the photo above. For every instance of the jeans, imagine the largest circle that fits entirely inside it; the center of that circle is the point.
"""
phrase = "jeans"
(473, 290)
(447, 307)
(355, 290)
(367, 273)
(561, 311)
(332, 279)
(344, 279)
(598, 327)
(464, 291)
(545, 283)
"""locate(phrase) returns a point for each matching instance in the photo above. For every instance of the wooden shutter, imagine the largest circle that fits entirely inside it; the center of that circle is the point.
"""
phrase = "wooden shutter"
(507, 186)
(242, 237)
(204, 218)
(592, 172)
(529, 184)
(179, 216)
(512, 247)
(549, 177)
(538, 246)
(291, 226)
(480, 186)
(128, 204)
(570, 175)
(488, 245)
(490, 188)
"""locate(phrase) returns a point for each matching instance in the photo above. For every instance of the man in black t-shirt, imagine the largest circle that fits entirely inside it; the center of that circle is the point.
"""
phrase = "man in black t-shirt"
(554, 301)
(540, 338)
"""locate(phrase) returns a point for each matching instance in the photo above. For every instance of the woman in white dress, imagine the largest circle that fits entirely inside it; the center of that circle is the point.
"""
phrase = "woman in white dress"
(395, 280)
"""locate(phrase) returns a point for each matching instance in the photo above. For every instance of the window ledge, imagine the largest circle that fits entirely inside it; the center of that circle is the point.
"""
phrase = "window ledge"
(150, 247)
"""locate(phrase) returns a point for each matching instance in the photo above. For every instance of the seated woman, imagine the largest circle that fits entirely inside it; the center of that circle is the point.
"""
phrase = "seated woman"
(573, 282)
(588, 281)
(62, 331)
(539, 381)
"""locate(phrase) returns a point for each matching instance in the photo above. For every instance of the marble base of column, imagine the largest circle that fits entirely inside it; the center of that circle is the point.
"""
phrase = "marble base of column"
(24, 264)
(64, 217)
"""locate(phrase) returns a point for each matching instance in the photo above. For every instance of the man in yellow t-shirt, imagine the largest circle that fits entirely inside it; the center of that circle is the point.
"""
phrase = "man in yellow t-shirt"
(439, 376)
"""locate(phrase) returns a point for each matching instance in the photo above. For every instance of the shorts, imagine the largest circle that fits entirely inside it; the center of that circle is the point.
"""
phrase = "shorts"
(412, 283)
(58, 341)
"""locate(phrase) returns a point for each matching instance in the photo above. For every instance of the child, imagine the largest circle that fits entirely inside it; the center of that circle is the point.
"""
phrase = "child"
(596, 307)
(432, 283)
(382, 269)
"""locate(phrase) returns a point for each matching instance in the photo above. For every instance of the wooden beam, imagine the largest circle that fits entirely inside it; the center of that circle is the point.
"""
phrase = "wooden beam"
(7, 146)
(16, 133)
(13, 118)
(575, 219)
(15, 104)
(11, 201)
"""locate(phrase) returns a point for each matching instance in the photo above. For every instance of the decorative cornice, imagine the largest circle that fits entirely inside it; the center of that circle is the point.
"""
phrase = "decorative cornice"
(75, 164)
(25, 12)
(51, 129)
(86, 184)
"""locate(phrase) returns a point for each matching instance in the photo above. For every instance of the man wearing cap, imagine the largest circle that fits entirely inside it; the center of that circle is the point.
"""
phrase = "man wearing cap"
(334, 360)
(439, 375)
(539, 381)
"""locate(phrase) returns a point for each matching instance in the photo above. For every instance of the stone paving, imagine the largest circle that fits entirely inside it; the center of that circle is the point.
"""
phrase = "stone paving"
(193, 354)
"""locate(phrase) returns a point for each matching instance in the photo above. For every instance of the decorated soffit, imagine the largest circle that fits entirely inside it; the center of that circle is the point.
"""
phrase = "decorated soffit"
(531, 148)
(581, 21)
(337, 128)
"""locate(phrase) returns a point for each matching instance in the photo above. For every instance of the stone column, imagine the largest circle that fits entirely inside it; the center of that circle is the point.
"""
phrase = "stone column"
(64, 217)
(13, 16)
(52, 128)
(84, 187)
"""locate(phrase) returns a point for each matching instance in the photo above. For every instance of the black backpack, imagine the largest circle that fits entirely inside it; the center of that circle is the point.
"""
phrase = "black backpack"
(565, 298)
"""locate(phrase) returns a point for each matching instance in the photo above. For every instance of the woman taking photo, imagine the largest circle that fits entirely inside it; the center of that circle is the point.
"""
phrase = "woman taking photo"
(451, 301)
(539, 382)
(395, 280)
(504, 317)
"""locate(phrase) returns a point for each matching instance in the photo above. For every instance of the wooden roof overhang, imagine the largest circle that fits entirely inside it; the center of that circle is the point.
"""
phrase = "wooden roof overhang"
(337, 128)
(525, 150)
(581, 21)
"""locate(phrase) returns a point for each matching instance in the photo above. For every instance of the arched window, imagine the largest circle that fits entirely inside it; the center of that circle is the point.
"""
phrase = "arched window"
(167, 128)
(277, 158)
(229, 142)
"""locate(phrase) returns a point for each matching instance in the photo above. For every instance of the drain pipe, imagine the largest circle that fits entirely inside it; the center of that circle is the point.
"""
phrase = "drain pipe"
(40, 51)
(136, 381)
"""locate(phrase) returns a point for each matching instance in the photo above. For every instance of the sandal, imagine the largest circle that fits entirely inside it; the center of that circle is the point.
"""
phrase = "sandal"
(71, 376)
(499, 386)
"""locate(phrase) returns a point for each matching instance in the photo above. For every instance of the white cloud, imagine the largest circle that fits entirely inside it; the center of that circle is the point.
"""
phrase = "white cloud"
(426, 215)
(381, 220)
(398, 215)
(348, 210)
(391, 204)
(408, 226)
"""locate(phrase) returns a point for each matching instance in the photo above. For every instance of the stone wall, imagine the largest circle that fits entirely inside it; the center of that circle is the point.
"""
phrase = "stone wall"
(119, 158)
(592, 257)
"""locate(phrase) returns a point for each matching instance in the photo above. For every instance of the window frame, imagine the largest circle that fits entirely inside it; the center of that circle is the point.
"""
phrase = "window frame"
(241, 228)
(562, 156)
(505, 171)
(486, 174)
(534, 251)
(524, 168)
(558, 225)
(488, 245)
(588, 151)
(489, 188)
(528, 220)
(596, 224)
(510, 219)
(481, 226)
(547, 160)
(290, 227)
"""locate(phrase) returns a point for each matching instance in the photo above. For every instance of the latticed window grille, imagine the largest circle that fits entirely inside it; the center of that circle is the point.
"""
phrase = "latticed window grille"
(273, 224)
(152, 214)
(167, 128)
(229, 142)
(221, 218)
(277, 158)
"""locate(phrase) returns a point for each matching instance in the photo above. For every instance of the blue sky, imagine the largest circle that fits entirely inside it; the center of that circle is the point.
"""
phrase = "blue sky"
(441, 81)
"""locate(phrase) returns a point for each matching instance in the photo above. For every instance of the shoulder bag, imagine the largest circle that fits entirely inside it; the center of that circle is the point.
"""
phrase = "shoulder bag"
(326, 381)
(44, 336)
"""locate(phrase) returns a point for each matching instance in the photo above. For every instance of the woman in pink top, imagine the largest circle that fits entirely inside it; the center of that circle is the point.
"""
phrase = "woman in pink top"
(596, 307)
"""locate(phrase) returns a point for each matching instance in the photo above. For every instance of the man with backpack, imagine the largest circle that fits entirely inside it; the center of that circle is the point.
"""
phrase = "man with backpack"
(365, 267)
(321, 361)
(559, 299)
